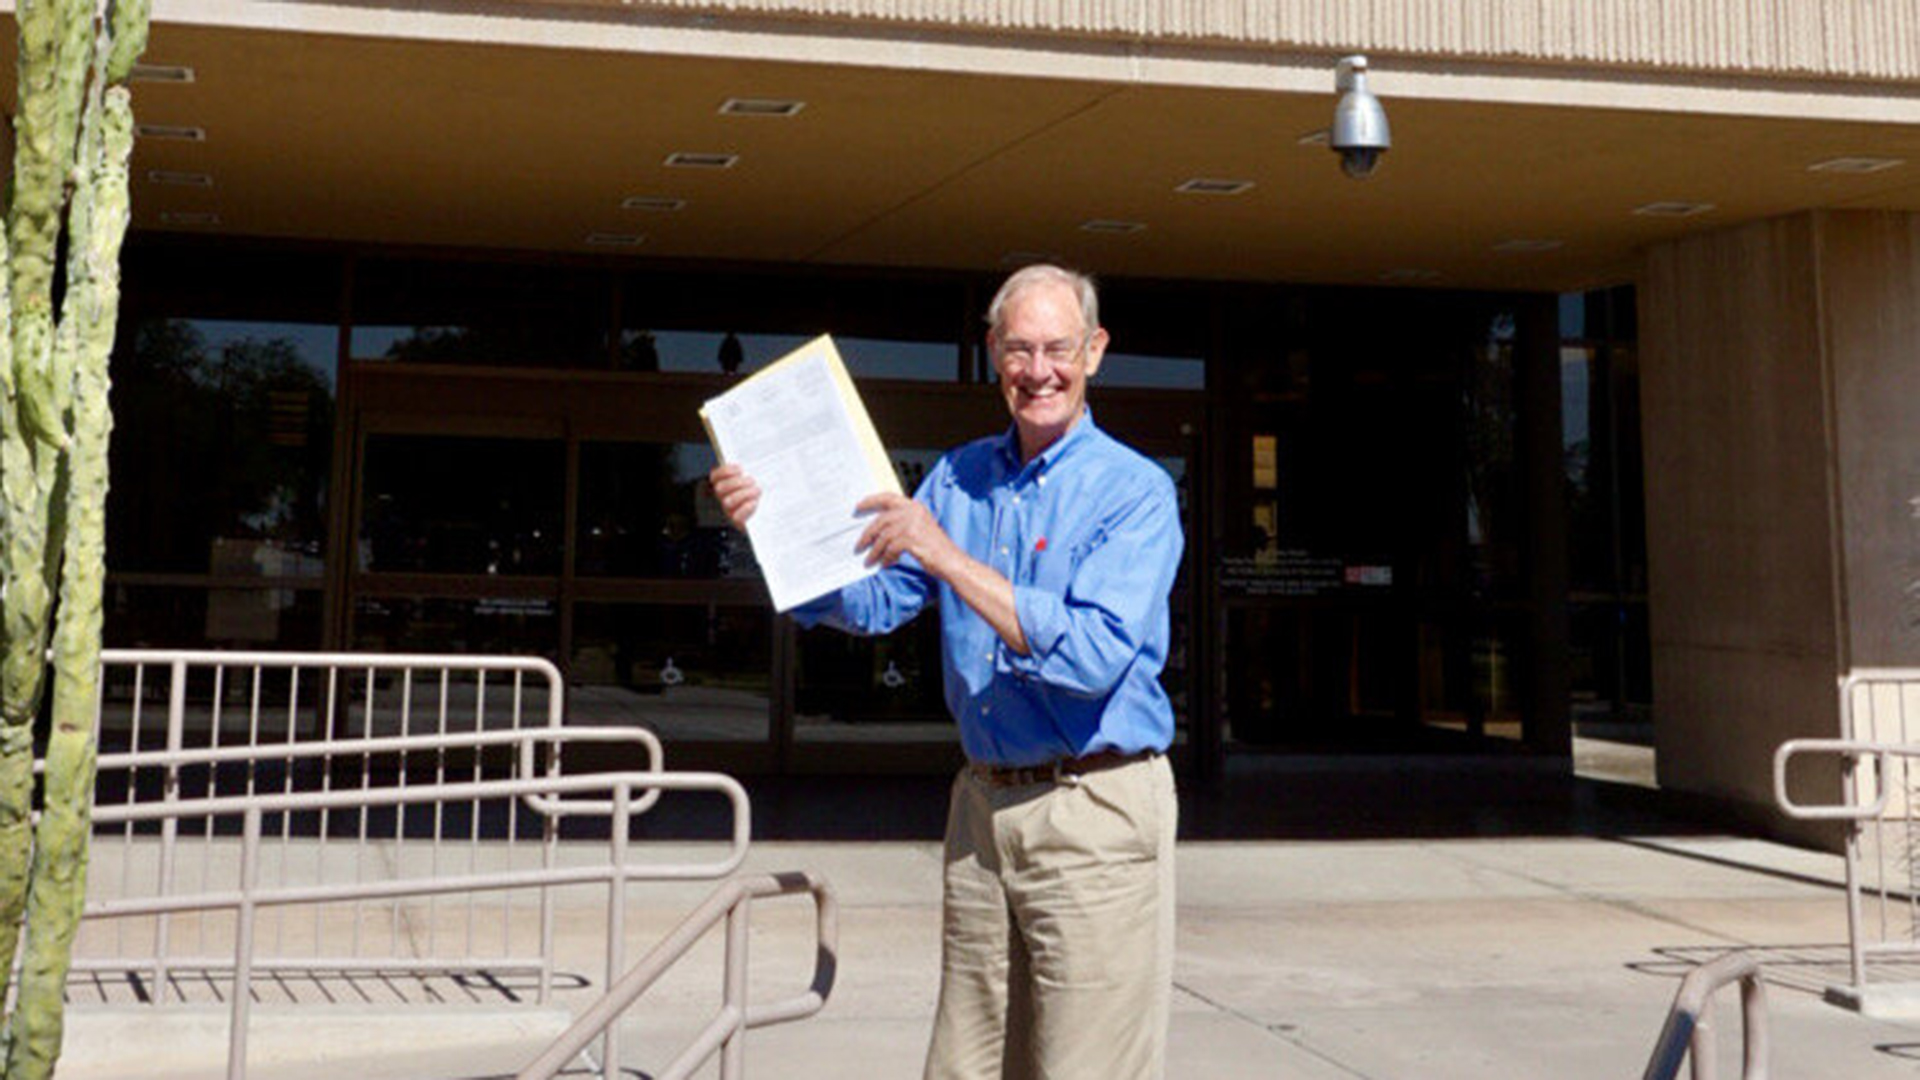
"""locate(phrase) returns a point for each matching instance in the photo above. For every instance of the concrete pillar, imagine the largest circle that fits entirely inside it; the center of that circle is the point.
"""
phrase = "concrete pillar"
(1780, 372)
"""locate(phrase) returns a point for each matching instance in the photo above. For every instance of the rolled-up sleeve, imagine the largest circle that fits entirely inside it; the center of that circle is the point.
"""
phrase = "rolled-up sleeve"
(873, 605)
(1083, 641)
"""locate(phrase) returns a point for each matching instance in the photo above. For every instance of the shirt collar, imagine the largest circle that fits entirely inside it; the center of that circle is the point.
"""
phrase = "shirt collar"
(1082, 430)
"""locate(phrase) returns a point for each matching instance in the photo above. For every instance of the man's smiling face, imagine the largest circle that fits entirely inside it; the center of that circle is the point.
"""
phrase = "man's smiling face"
(1045, 356)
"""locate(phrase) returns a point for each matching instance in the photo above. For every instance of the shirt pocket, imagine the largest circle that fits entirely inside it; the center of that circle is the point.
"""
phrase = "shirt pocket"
(1053, 570)
(1055, 567)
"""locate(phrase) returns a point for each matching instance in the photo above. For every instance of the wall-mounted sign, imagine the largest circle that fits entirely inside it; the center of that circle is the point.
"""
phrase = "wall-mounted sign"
(1300, 573)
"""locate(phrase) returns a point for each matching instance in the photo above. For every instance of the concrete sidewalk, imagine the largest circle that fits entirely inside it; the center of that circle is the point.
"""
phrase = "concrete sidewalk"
(1385, 959)
(1552, 954)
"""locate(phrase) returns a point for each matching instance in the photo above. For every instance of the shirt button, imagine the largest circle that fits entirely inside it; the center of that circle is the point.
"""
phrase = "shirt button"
(986, 710)
(1003, 549)
(989, 658)
(1016, 500)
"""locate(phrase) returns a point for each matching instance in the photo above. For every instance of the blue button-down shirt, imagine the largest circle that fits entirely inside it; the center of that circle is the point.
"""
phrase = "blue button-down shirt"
(1089, 534)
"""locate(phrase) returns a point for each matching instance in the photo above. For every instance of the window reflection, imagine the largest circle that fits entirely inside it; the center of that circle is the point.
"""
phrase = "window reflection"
(498, 626)
(851, 687)
(1492, 496)
(438, 504)
(223, 433)
(433, 312)
(690, 672)
(883, 329)
(1157, 372)
(144, 616)
(645, 511)
(1469, 676)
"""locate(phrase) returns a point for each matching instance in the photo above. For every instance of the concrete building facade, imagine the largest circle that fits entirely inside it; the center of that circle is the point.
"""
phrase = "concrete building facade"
(1702, 212)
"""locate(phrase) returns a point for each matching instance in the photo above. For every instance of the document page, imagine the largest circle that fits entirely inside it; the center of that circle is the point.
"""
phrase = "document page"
(798, 428)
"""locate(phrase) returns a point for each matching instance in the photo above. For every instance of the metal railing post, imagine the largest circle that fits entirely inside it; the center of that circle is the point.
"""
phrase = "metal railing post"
(733, 1052)
(243, 948)
(549, 842)
(1849, 791)
(170, 826)
(616, 921)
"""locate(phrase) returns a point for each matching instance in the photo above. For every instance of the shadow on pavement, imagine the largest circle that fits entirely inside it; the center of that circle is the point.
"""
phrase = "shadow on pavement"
(1258, 799)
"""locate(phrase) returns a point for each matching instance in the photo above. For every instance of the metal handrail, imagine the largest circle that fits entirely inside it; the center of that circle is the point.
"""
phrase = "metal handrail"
(526, 739)
(723, 1034)
(1689, 1029)
(249, 897)
(1881, 752)
(619, 796)
(1856, 816)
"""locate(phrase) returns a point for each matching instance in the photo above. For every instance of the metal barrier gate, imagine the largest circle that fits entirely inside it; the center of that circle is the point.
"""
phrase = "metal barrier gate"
(310, 813)
(1879, 806)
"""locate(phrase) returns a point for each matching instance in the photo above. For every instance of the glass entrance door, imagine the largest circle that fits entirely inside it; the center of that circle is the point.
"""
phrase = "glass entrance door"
(1372, 590)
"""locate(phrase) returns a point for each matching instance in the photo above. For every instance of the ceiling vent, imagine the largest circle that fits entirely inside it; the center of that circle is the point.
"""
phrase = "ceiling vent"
(171, 131)
(761, 107)
(1202, 185)
(685, 159)
(1857, 165)
(179, 179)
(655, 203)
(173, 73)
(608, 239)
(1673, 209)
(1315, 138)
(1405, 275)
(189, 217)
(1523, 247)
(1108, 225)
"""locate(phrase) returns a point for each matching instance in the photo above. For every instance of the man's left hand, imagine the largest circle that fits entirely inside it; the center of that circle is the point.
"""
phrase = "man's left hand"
(902, 526)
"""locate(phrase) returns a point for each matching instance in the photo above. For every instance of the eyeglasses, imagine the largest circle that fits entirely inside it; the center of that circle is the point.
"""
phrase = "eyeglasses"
(1018, 355)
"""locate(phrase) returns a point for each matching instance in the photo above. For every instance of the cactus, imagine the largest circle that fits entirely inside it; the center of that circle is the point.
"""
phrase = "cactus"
(74, 126)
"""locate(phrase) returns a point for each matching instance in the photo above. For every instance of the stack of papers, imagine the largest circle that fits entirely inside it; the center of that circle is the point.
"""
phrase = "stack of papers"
(797, 427)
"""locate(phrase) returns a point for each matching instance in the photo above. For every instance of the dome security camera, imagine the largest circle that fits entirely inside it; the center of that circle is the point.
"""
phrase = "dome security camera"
(1359, 133)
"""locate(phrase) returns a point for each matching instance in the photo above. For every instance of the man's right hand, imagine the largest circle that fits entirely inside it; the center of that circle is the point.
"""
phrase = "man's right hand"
(737, 492)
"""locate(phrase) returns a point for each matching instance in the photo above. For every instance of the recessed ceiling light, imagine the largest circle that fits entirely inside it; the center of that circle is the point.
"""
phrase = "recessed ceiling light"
(761, 107)
(1673, 209)
(1856, 164)
(174, 73)
(171, 131)
(686, 159)
(1410, 274)
(1203, 185)
(657, 203)
(607, 239)
(189, 217)
(1315, 138)
(1108, 225)
(179, 179)
(1524, 246)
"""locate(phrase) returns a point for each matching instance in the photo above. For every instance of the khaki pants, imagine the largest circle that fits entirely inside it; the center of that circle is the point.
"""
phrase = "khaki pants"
(1057, 944)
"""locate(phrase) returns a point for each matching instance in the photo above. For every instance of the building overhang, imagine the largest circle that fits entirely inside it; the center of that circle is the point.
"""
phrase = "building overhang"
(543, 126)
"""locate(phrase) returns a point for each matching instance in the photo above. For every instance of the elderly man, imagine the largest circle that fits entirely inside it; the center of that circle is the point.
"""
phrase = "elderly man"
(1051, 551)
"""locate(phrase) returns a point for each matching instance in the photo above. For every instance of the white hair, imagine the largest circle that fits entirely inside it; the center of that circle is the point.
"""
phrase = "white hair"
(1041, 274)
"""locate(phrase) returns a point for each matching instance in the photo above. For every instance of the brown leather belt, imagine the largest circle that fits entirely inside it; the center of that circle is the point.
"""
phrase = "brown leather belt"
(1052, 771)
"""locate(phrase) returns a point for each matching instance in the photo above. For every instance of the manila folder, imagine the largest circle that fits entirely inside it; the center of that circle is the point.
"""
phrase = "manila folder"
(798, 428)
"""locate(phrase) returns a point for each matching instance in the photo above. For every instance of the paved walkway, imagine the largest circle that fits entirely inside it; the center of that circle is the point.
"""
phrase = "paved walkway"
(1536, 930)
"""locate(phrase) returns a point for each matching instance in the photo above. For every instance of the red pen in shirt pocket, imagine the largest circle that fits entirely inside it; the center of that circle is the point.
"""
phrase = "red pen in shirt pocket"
(1048, 567)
